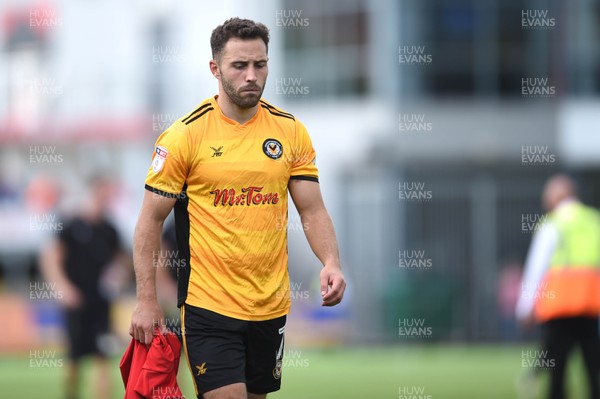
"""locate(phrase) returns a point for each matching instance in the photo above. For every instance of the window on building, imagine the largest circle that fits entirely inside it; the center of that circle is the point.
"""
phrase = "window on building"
(326, 45)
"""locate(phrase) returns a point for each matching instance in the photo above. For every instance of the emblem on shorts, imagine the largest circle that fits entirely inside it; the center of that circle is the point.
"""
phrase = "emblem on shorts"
(201, 368)
(279, 357)
(277, 370)
(159, 159)
(272, 148)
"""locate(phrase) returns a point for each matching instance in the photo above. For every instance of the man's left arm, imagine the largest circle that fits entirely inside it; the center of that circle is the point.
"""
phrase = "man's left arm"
(321, 237)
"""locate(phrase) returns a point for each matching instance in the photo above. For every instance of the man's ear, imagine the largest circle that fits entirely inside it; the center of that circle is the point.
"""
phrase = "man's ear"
(214, 69)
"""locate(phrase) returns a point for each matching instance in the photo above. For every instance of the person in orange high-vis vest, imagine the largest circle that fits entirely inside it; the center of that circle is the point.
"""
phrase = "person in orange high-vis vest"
(561, 286)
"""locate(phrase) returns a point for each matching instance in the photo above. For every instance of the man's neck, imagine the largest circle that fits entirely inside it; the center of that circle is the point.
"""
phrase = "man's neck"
(566, 201)
(232, 111)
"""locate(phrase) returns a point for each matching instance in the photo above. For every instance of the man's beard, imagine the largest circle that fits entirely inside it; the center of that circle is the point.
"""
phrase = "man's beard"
(236, 97)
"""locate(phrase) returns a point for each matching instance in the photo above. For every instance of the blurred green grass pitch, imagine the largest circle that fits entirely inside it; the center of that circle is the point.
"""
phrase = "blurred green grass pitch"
(444, 372)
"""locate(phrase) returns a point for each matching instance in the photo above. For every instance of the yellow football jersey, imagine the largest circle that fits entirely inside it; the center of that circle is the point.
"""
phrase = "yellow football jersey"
(231, 182)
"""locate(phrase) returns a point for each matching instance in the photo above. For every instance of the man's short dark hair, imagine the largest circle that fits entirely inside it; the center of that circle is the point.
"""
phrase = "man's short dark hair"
(237, 28)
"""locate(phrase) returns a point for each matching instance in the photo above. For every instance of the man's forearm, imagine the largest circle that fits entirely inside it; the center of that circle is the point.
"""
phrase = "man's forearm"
(52, 264)
(321, 236)
(146, 246)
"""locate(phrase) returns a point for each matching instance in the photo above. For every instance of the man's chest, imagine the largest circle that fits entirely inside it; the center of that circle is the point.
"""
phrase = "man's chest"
(258, 158)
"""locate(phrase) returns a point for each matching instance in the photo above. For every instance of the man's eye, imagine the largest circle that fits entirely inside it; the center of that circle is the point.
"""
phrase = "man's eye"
(238, 66)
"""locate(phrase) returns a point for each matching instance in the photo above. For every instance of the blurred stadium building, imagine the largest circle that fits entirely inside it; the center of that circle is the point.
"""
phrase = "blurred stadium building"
(435, 125)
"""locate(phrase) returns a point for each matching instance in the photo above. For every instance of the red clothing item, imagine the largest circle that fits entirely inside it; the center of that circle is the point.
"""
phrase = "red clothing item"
(151, 373)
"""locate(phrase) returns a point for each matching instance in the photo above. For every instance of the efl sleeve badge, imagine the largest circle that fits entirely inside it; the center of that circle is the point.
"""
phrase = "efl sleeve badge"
(160, 157)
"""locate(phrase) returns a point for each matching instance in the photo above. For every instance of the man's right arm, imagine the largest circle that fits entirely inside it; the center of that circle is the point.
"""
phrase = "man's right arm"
(52, 264)
(146, 247)
(538, 260)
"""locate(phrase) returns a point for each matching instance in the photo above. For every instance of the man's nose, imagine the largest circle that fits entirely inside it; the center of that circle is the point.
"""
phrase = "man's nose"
(251, 74)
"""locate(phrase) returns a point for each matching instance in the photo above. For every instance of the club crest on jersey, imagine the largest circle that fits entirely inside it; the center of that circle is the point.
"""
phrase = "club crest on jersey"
(160, 157)
(272, 148)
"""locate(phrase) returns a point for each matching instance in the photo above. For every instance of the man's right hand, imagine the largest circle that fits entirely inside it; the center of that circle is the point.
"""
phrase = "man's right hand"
(72, 297)
(526, 323)
(146, 315)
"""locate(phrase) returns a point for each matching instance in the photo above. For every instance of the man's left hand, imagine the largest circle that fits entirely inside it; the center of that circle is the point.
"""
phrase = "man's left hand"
(333, 285)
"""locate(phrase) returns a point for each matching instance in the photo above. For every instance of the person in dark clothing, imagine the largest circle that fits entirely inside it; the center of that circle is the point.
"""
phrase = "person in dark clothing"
(89, 247)
(77, 261)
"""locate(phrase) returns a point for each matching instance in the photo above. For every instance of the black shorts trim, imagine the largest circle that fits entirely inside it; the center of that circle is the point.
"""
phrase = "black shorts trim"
(222, 350)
